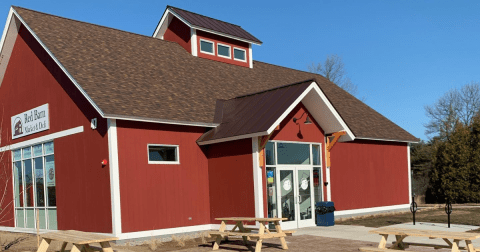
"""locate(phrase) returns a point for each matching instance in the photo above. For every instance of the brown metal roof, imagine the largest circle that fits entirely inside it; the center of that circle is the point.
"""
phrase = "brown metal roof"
(253, 113)
(136, 76)
(214, 24)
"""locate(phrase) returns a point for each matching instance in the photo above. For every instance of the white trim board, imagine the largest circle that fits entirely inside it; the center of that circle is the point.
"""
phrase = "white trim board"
(45, 138)
(409, 175)
(166, 231)
(114, 177)
(386, 140)
(59, 64)
(257, 180)
(371, 209)
(151, 120)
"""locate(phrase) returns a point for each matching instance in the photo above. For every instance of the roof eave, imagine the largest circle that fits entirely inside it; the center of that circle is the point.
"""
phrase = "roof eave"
(159, 120)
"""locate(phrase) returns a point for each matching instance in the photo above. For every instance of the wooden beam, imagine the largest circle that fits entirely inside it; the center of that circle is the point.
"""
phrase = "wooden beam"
(330, 143)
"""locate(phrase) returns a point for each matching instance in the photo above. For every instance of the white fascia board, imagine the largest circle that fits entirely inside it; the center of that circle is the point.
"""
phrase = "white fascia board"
(165, 121)
(159, 25)
(313, 86)
(386, 140)
(59, 64)
(226, 35)
(7, 24)
(257, 180)
(372, 209)
(221, 140)
(41, 139)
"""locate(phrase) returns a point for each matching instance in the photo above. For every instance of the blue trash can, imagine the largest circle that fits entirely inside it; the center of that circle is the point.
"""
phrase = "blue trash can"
(325, 213)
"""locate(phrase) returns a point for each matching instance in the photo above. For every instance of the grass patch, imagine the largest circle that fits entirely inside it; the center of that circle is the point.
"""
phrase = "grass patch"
(464, 216)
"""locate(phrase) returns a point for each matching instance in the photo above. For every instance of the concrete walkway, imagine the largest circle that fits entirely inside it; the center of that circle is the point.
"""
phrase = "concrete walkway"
(361, 233)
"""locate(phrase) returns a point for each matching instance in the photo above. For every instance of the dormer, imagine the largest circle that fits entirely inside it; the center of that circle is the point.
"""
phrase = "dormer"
(206, 37)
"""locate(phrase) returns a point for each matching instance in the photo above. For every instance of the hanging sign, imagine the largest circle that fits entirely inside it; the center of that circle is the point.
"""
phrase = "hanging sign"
(30, 122)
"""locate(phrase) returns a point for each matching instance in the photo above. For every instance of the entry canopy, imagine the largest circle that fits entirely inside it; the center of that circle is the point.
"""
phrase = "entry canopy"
(260, 113)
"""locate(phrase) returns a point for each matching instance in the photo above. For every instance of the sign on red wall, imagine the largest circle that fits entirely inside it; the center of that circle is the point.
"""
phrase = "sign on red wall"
(30, 122)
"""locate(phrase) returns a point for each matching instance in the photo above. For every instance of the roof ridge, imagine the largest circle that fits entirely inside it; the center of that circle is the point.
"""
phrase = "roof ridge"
(275, 88)
(84, 22)
(169, 6)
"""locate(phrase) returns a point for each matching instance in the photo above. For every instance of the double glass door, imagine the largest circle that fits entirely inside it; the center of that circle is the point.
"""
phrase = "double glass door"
(295, 195)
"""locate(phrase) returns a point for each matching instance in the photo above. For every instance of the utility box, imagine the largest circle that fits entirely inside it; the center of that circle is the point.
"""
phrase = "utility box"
(325, 213)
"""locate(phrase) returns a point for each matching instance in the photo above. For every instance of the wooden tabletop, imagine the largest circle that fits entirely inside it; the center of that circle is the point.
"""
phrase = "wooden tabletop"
(77, 237)
(250, 219)
(427, 233)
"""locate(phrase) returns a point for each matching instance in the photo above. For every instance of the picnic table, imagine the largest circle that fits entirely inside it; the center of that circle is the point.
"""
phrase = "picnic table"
(402, 233)
(246, 233)
(78, 239)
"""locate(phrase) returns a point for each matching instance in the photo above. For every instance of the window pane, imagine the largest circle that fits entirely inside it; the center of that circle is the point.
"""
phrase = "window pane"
(20, 218)
(39, 178)
(162, 153)
(50, 170)
(270, 153)
(28, 182)
(48, 148)
(41, 217)
(18, 180)
(223, 50)
(37, 150)
(30, 218)
(206, 46)
(17, 155)
(271, 192)
(238, 54)
(293, 153)
(27, 152)
(316, 154)
(52, 219)
(317, 184)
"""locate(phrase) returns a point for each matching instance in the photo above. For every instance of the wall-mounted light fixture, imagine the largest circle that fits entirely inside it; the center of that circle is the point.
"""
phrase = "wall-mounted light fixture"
(307, 120)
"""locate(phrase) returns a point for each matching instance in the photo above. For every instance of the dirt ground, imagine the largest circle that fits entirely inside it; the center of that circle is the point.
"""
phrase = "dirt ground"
(299, 243)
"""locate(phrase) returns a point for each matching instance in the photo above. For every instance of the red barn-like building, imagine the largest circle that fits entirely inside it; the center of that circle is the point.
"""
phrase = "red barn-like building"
(130, 135)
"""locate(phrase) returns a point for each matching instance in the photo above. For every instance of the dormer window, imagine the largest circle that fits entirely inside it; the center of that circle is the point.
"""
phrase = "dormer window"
(207, 47)
(239, 54)
(223, 51)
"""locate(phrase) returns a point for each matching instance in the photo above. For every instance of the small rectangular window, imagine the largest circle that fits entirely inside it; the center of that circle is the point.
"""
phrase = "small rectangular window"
(239, 54)
(163, 154)
(206, 47)
(223, 51)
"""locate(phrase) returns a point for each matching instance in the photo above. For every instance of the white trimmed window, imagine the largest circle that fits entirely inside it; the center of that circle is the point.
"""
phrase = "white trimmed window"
(239, 54)
(163, 154)
(224, 51)
(207, 47)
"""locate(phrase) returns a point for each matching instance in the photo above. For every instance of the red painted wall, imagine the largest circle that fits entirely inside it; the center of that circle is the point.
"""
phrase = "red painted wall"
(230, 172)
(83, 185)
(226, 41)
(155, 196)
(179, 32)
(299, 132)
(369, 174)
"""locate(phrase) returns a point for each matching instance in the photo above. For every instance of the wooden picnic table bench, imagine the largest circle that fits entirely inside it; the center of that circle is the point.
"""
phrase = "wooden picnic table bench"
(78, 239)
(246, 233)
(402, 233)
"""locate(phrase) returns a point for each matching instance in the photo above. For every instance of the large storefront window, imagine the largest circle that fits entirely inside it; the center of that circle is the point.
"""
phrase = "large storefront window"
(34, 186)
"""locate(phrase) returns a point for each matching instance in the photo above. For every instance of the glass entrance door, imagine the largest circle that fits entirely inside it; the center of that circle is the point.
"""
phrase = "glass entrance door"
(295, 196)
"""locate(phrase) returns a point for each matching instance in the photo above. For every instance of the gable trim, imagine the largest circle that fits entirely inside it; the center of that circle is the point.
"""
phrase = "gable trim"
(313, 86)
(386, 140)
(95, 106)
(165, 121)
(7, 24)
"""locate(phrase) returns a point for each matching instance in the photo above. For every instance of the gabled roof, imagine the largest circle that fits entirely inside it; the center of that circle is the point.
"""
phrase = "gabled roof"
(138, 77)
(208, 23)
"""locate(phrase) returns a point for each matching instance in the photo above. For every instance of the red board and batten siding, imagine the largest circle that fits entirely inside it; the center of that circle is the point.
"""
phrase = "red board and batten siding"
(158, 196)
(299, 132)
(226, 41)
(179, 32)
(32, 79)
(368, 174)
(230, 172)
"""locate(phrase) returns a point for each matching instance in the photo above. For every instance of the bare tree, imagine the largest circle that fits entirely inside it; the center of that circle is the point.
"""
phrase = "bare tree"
(334, 70)
(457, 105)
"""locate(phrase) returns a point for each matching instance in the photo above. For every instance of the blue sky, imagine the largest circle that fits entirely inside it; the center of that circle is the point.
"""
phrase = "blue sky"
(402, 55)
